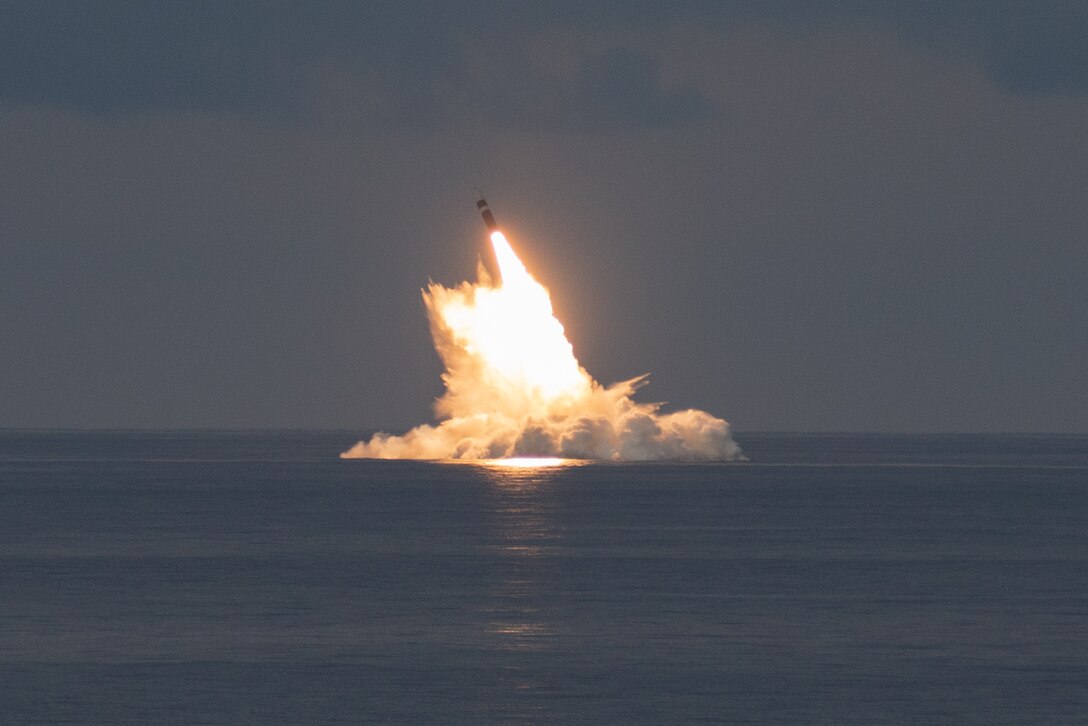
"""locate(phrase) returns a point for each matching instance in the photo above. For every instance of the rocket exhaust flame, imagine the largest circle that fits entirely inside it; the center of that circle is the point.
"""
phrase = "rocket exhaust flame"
(515, 389)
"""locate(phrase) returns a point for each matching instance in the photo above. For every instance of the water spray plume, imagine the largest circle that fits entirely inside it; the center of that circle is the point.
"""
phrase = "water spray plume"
(515, 389)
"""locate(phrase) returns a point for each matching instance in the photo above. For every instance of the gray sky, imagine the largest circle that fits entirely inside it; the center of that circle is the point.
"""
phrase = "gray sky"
(815, 217)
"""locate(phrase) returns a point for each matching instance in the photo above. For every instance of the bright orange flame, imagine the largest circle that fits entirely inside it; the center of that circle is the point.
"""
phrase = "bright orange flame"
(513, 330)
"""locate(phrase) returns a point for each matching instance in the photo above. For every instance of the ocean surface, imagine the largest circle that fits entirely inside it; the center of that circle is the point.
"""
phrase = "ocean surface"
(255, 578)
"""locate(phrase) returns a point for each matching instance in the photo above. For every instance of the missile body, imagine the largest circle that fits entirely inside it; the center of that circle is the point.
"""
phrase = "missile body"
(487, 254)
(485, 212)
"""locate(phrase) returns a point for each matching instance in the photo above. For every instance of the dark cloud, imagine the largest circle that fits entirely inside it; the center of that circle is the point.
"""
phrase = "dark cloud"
(411, 59)
(281, 60)
(1040, 50)
(115, 57)
(1032, 48)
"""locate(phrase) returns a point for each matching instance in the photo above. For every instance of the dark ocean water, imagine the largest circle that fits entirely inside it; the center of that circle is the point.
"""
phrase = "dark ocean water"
(254, 578)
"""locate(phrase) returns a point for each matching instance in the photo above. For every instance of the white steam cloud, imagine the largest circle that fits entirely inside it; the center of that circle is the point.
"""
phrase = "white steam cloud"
(515, 389)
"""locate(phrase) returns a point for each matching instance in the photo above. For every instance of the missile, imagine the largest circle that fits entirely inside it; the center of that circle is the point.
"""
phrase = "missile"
(487, 254)
(485, 212)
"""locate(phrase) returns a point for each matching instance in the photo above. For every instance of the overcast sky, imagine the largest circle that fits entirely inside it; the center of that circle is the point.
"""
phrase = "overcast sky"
(797, 216)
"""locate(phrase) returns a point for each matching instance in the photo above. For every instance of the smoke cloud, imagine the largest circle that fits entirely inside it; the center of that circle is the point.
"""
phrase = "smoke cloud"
(515, 389)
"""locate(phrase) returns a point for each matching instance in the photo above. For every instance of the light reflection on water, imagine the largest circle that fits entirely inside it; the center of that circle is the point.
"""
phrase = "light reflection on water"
(523, 537)
(530, 462)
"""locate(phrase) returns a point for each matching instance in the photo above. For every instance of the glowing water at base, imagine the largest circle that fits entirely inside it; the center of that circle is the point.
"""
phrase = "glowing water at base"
(515, 389)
